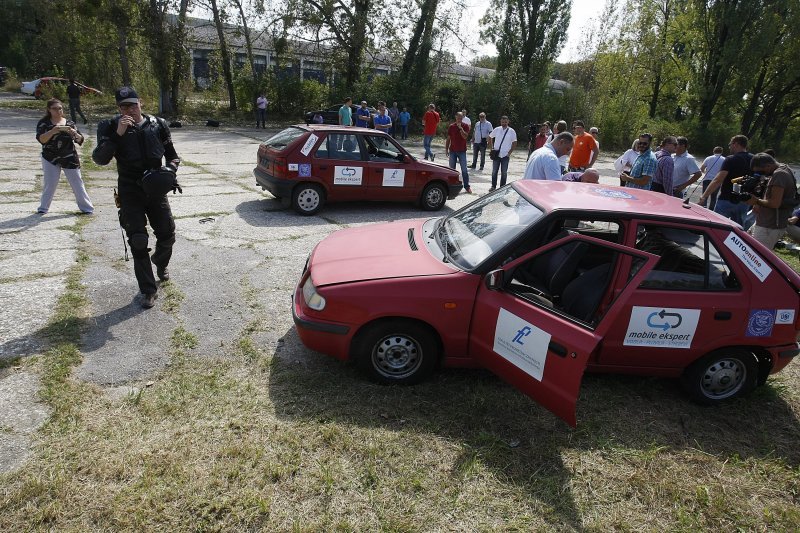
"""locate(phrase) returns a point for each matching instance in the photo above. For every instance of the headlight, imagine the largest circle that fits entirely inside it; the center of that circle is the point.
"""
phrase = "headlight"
(312, 297)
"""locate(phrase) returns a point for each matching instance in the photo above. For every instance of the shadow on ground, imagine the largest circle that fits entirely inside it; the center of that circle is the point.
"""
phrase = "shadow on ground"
(512, 435)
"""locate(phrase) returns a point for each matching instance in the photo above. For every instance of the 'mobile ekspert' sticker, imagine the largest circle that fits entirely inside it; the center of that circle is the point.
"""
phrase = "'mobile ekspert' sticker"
(347, 175)
(662, 327)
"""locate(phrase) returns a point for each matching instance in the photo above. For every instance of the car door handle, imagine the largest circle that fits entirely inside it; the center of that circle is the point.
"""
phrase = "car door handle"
(722, 315)
(323, 167)
(557, 349)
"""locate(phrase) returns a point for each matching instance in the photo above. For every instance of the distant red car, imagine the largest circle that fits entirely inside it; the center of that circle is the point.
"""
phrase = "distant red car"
(540, 281)
(36, 87)
(308, 166)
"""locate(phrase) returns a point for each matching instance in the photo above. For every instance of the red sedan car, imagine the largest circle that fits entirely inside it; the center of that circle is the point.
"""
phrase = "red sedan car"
(307, 166)
(540, 281)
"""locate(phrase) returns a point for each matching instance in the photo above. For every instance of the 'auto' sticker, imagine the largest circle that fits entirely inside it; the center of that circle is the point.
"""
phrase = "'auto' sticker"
(661, 327)
(751, 260)
(393, 177)
(784, 316)
(347, 175)
(760, 323)
(304, 170)
(310, 142)
(521, 343)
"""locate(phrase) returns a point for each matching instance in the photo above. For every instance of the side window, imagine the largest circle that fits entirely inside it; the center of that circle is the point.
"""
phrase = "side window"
(339, 146)
(381, 148)
(689, 260)
(572, 279)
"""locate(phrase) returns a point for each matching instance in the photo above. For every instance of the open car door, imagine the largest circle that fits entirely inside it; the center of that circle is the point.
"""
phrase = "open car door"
(539, 318)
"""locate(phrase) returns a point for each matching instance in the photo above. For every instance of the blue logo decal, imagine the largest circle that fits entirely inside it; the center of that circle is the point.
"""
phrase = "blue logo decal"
(347, 171)
(304, 170)
(524, 332)
(760, 323)
(609, 193)
(664, 320)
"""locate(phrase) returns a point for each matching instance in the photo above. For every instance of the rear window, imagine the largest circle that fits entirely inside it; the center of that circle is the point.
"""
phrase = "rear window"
(281, 140)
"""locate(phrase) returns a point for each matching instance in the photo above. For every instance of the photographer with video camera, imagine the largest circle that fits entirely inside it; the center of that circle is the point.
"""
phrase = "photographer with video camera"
(773, 199)
(140, 143)
(735, 165)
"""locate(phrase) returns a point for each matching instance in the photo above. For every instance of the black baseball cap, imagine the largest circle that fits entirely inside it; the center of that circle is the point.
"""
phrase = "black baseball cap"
(126, 95)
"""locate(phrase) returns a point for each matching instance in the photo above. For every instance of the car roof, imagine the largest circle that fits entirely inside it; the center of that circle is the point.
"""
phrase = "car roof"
(328, 128)
(589, 197)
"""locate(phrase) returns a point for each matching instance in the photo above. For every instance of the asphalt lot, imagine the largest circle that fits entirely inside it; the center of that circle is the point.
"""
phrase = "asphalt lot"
(232, 239)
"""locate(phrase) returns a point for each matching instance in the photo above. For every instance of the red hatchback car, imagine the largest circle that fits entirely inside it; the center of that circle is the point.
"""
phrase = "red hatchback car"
(307, 166)
(540, 281)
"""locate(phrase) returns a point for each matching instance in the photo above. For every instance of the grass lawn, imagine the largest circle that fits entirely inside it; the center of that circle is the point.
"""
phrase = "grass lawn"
(270, 440)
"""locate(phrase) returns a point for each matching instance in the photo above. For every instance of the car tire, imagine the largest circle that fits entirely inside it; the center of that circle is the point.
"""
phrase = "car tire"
(721, 375)
(398, 352)
(308, 199)
(433, 197)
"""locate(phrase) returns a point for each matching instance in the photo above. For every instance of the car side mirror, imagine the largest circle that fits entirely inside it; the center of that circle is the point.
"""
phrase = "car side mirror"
(494, 280)
(406, 159)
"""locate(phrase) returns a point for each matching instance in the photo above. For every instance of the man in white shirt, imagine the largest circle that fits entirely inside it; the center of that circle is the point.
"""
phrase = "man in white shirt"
(466, 120)
(543, 163)
(711, 165)
(685, 171)
(503, 139)
(480, 137)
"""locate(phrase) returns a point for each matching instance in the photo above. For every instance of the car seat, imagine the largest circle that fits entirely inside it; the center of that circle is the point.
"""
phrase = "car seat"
(582, 296)
(550, 273)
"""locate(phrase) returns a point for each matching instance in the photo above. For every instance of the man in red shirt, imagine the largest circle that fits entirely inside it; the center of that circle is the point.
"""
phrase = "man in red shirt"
(455, 147)
(430, 121)
(584, 151)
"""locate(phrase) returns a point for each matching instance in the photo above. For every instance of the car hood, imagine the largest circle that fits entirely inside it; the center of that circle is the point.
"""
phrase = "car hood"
(376, 251)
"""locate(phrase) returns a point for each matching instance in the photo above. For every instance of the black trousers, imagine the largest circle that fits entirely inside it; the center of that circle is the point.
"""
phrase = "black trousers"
(137, 210)
(476, 148)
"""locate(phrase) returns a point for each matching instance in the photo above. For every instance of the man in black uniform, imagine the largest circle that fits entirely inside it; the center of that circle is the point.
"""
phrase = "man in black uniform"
(74, 93)
(140, 143)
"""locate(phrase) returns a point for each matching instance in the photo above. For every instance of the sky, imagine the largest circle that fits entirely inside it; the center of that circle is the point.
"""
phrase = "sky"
(582, 13)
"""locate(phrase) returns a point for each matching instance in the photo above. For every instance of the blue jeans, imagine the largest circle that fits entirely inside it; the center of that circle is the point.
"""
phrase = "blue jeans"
(712, 199)
(404, 131)
(502, 165)
(735, 212)
(476, 149)
(462, 158)
(426, 143)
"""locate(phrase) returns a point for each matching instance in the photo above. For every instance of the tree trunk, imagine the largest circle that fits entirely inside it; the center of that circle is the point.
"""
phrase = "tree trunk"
(248, 43)
(123, 56)
(358, 42)
(224, 55)
(177, 72)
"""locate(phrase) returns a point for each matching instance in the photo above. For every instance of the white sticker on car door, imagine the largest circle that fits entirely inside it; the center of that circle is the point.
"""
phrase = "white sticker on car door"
(521, 343)
(394, 177)
(347, 175)
(751, 260)
(661, 327)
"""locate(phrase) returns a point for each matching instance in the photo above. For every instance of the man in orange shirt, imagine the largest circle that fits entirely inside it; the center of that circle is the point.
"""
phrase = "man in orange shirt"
(585, 150)
(429, 124)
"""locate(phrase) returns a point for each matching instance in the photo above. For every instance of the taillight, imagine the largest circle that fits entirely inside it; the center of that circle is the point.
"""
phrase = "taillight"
(280, 168)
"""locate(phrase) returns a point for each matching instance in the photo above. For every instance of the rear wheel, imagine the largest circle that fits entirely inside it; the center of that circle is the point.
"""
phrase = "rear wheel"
(308, 198)
(397, 351)
(433, 197)
(721, 375)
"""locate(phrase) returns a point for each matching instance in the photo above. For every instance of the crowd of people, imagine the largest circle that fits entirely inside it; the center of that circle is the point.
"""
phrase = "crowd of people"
(556, 154)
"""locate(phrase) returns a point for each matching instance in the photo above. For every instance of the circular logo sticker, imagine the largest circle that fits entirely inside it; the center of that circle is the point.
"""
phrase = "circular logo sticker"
(610, 193)
(760, 323)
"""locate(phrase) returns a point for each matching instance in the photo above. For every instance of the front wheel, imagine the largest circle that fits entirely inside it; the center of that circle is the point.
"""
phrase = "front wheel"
(308, 198)
(433, 197)
(721, 375)
(397, 351)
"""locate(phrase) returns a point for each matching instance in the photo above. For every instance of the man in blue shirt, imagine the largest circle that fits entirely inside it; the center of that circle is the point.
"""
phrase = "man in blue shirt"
(382, 120)
(405, 118)
(362, 115)
(346, 113)
(644, 168)
(543, 163)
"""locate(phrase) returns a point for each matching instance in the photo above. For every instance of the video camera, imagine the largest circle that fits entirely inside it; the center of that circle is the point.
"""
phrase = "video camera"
(533, 130)
(746, 185)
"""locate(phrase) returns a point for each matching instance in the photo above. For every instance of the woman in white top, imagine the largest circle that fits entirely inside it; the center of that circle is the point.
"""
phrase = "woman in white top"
(624, 163)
